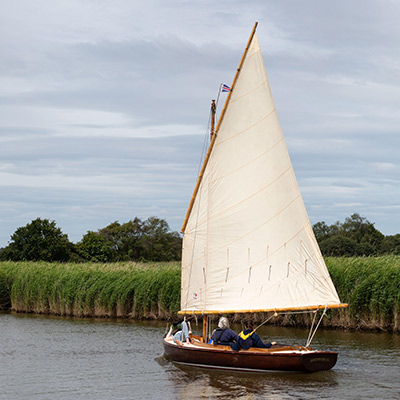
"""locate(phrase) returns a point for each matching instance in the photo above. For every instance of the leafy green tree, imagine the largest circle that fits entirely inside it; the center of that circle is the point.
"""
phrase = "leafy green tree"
(321, 231)
(338, 245)
(94, 247)
(138, 240)
(5, 253)
(39, 240)
(365, 248)
(364, 233)
(158, 243)
(391, 244)
(355, 237)
(124, 239)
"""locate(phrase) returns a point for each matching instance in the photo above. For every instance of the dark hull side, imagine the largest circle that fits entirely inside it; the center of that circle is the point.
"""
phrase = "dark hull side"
(251, 360)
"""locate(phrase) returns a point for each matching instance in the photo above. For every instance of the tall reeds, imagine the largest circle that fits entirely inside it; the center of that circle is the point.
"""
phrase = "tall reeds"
(92, 290)
(370, 285)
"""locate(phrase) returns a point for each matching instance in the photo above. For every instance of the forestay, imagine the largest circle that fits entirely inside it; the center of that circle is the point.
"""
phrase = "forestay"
(248, 244)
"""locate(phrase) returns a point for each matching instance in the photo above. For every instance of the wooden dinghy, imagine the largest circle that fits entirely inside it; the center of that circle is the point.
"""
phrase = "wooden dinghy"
(278, 357)
(248, 245)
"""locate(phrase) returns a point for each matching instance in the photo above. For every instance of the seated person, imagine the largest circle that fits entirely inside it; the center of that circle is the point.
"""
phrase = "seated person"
(225, 336)
(181, 333)
(249, 338)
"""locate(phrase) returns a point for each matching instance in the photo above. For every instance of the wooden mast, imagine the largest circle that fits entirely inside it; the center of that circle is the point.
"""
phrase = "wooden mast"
(213, 110)
(200, 177)
(205, 328)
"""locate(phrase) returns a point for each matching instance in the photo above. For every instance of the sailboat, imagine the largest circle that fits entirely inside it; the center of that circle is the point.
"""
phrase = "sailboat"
(248, 245)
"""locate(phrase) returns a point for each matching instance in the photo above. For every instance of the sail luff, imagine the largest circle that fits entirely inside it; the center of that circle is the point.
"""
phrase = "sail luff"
(210, 147)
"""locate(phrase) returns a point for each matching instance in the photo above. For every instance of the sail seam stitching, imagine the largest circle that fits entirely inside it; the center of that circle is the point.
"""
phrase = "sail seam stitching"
(245, 130)
(247, 198)
(250, 162)
(256, 228)
(251, 91)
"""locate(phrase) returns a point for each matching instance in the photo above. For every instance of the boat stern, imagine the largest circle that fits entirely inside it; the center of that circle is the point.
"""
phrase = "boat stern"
(319, 360)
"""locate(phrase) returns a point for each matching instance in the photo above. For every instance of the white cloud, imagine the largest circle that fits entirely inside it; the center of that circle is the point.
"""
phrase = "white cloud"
(385, 167)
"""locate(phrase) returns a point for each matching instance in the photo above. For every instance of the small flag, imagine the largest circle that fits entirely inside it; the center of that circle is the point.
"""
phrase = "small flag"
(226, 88)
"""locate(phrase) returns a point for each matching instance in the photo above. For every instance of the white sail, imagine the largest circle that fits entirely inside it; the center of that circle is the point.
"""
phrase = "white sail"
(248, 243)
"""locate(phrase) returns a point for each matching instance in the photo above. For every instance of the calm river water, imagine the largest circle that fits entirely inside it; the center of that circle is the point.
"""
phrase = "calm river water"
(65, 358)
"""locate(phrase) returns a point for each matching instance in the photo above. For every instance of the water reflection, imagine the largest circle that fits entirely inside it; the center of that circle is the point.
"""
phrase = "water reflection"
(65, 358)
(203, 383)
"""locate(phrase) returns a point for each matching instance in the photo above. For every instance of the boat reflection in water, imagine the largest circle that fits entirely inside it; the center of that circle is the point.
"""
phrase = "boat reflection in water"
(213, 383)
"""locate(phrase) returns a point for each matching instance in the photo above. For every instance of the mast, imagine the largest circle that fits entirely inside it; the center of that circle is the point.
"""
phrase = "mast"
(213, 137)
(213, 110)
(205, 328)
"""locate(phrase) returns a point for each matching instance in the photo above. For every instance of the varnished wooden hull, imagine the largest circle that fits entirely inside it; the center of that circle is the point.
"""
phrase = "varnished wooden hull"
(222, 357)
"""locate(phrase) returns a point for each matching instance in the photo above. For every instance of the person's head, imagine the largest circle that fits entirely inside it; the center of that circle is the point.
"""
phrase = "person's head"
(223, 323)
(248, 324)
(176, 325)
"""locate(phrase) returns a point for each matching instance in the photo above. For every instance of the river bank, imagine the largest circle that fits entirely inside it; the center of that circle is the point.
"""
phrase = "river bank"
(371, 286)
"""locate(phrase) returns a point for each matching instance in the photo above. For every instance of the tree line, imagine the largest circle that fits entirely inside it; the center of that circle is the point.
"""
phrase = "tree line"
(136, 240)
(152, 240)
(356, 236)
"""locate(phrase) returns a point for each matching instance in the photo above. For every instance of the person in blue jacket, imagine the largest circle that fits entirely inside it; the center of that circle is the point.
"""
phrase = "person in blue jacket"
(225, 336)
(182, 332)
(249, 338)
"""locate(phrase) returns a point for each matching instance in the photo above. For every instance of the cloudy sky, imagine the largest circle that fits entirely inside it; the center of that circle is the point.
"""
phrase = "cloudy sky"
(104, 106)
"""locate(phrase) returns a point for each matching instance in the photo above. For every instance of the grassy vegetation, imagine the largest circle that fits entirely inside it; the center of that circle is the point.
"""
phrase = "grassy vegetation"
(371, 286)
(150, 290)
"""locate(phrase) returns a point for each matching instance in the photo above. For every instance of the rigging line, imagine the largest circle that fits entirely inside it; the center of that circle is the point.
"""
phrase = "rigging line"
(259, 326)
(315, 331)
(217, 101)
(312, 325)
(219, 93)
(205, 143)
(198, 208)
(275, 314)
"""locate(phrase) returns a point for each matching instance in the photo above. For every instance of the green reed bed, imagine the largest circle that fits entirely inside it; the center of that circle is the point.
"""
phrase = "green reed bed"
(97, 290)
(371, 287)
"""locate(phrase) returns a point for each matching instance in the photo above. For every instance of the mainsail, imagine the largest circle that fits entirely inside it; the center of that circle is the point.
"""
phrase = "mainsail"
(248, 244)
